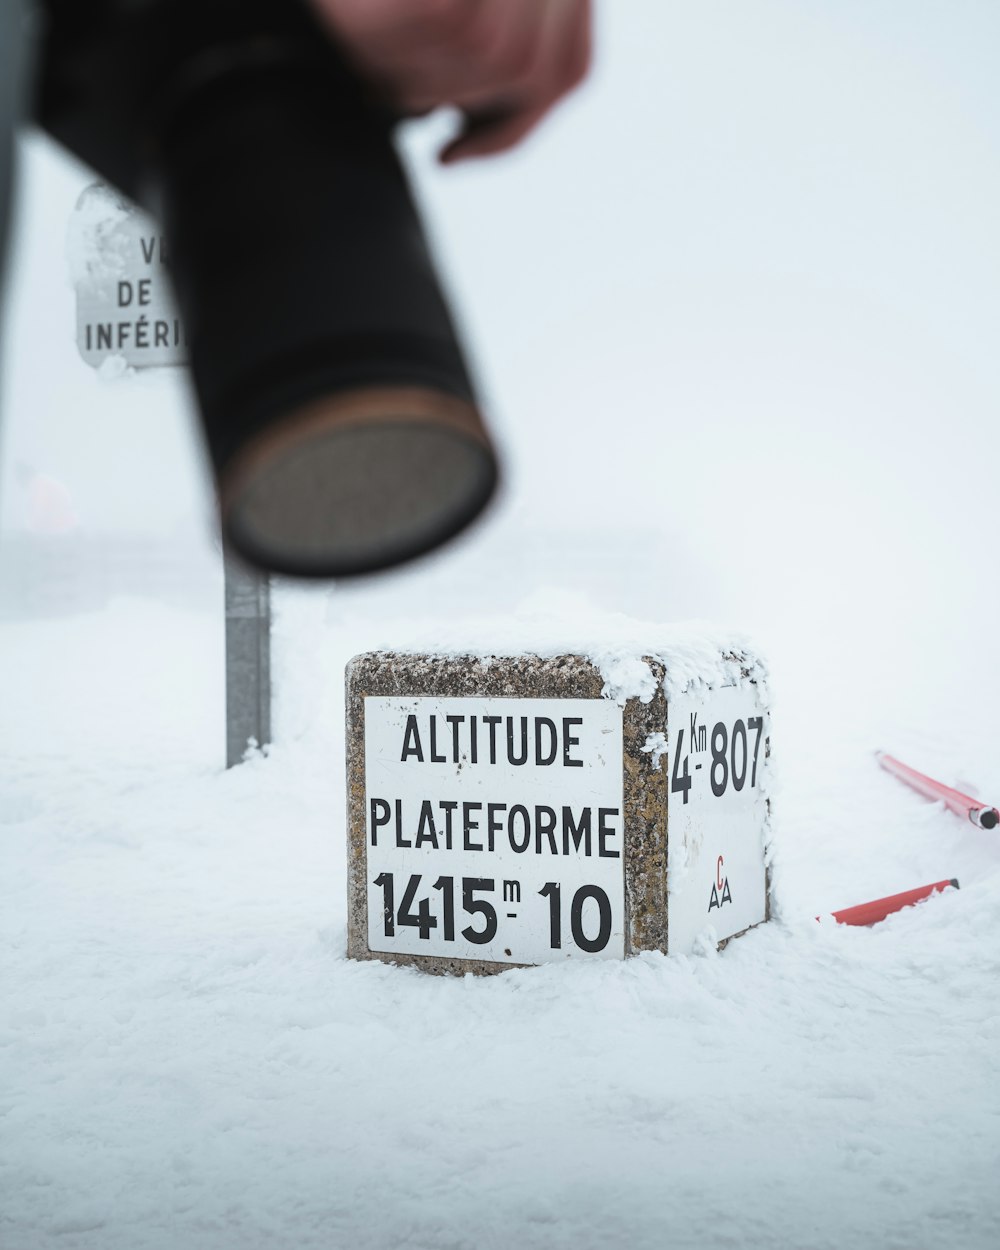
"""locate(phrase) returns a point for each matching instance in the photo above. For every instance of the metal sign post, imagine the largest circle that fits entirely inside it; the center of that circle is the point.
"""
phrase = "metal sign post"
(125, 312)
(248, 659)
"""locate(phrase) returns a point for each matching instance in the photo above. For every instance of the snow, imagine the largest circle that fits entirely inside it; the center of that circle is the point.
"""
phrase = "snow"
(189, 1058)
(656, 746)
(92, 233)
(760, 390)
(694, 654)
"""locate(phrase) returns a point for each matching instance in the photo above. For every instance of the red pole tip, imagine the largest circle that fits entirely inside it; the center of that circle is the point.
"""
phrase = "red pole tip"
(961, 804)
(871, 913)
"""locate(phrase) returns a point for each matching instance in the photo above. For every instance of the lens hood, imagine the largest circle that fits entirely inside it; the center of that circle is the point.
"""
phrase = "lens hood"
(337, 406)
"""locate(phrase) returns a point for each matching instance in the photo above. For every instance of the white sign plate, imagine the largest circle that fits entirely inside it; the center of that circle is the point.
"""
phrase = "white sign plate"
(495, 828)
(717, 814)
(124, 302)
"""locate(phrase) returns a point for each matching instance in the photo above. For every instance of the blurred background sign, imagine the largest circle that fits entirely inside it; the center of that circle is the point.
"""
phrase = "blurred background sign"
(124, 303)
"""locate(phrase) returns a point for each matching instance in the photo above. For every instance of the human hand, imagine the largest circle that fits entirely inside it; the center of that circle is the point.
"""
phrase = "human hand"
(503, 63)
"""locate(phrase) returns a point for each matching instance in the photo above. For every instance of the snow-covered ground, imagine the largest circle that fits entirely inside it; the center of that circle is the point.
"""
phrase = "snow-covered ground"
(190, 1060)
(737, 326)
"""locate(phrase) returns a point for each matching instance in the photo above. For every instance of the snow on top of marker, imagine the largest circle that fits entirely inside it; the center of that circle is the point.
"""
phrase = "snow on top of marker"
(693, 653)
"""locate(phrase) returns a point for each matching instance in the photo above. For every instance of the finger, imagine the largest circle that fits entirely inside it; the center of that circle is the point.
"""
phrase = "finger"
(498, 134)
(469, 53)
(579, 47)
(410, 50)
(564, 53)
(494, 56)
(561, 59)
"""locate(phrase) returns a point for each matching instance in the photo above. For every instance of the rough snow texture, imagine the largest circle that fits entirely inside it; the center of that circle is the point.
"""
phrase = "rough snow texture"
(696, 653)
(95, 248)
(188, 1058)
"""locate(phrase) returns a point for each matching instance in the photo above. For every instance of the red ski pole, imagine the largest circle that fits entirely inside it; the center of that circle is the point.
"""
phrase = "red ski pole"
(962, 804)
(879, 908)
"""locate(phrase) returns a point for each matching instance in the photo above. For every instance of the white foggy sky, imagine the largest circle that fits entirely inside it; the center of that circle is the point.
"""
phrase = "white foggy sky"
(740, 298)
(745, 291)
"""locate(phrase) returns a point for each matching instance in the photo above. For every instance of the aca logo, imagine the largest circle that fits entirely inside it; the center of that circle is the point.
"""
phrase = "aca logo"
(720, 887)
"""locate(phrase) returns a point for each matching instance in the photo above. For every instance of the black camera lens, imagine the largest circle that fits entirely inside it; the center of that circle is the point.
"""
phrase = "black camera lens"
(337, 406)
